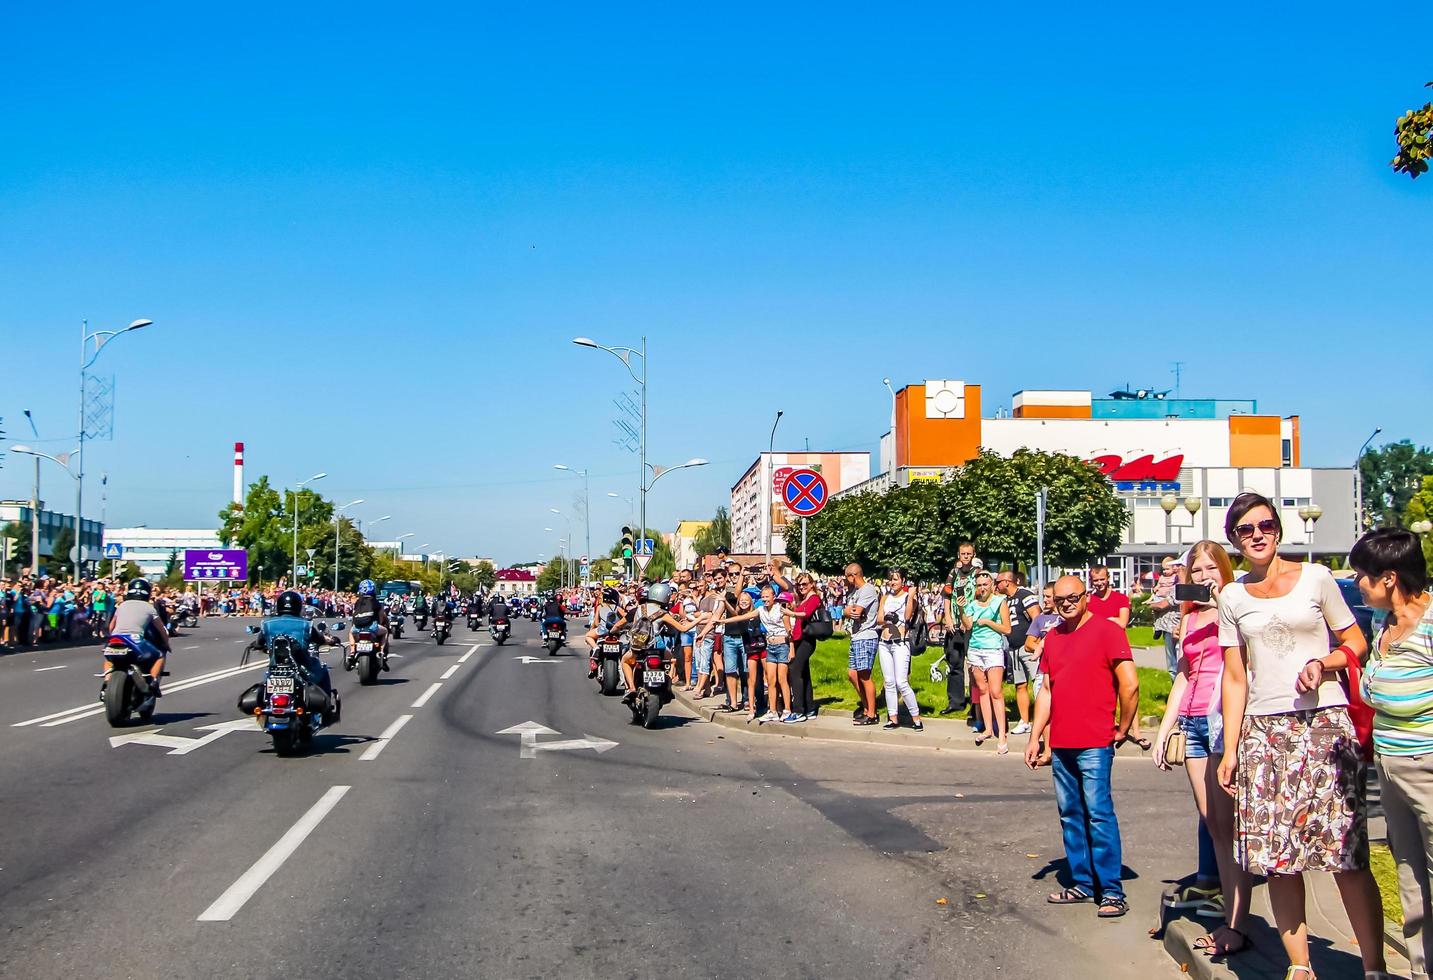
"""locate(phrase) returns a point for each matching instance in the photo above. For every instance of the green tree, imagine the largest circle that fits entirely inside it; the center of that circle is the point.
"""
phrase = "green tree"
(485, 576)
(1420, 508)
(715, 535)
(173, 571)
(131, 572)
(551, 576)
(1391, 476)
(60, 551)
(19, 532)
(263, 526)
(1414, 133)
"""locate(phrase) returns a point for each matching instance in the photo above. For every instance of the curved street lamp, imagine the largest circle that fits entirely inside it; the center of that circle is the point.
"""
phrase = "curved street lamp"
(625, 355)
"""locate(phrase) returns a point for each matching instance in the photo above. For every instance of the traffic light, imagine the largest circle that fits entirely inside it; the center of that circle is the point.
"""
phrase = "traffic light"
(628, 544)
(9, 546)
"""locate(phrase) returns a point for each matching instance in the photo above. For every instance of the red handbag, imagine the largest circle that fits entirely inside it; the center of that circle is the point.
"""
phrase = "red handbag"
(1358, 711)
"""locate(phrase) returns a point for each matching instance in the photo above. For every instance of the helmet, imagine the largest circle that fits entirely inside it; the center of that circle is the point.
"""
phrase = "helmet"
(139, 589)
(366, 587)
(289, 603)
(661, 593)
(611, 596)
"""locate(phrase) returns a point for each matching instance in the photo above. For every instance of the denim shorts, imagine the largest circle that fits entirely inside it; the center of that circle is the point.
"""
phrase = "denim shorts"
(863, 654)
(703, 659)
(1196, 736)
(689, 638)
(733, 655)
(778, 653)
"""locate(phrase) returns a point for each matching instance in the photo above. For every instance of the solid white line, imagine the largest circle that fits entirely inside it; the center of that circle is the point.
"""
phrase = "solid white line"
(41, 670)
(233, 899)
(86, 711)
(450, 671)
(385, 738)
(471, 650)
(426, 695)
(194, 647)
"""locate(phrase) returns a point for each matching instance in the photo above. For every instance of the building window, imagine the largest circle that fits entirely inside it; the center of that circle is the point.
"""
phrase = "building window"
(1287, 447)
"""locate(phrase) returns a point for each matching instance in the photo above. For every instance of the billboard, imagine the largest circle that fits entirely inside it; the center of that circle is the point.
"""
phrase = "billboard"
(216, 565)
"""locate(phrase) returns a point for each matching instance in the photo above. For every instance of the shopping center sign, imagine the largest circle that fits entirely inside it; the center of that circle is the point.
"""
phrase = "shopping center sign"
(1141, 472)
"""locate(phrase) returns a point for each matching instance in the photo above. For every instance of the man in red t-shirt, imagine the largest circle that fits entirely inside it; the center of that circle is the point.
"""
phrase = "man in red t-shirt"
(1086, 667)
(1105, 602)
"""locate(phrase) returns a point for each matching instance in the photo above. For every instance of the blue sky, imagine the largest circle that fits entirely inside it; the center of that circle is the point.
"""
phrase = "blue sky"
(367, 234)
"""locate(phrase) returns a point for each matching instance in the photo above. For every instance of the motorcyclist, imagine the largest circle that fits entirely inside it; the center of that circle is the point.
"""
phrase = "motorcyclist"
(552, 615)
(651, 614)
(444, 608)
(288, 620)
(497, 608)
(137, 619)
(370, 614)
(607, 615)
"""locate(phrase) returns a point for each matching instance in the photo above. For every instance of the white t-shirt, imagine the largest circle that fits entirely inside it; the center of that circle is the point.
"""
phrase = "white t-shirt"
(1283, 634)
(770, 617)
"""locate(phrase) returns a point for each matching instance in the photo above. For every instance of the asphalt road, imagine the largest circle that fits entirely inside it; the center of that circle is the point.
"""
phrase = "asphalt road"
(437, 847)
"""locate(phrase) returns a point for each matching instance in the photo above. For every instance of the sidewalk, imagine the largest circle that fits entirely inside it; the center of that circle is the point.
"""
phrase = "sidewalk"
(1335, 953)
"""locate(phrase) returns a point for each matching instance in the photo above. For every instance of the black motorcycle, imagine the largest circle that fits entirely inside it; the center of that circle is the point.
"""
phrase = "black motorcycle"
(420, 619)
(442, 628)
(288, 702)
(606, 662)
(395, 627)
(127, 687)
(654, 688)
(554, 636)
(501, 630)
(475, 619)
(366, 655)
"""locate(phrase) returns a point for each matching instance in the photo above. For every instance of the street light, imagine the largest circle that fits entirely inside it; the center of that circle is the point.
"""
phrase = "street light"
(1359, 524)
(1310, 515)
(892, 390)
(1421, 527)
(1167, 503)
(625, 355)
(336, 512)
(586, 501)
(63, 462)
(769, 473)
(660, 471)
(301, 485)
(101, 338)
(34, 503)
(631, 504)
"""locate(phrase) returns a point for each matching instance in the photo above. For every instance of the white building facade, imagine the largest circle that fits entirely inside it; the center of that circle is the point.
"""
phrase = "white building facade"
(759, 515)
(150, 547)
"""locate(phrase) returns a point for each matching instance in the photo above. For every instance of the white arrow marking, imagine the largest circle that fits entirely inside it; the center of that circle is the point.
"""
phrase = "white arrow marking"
(536, 660)
(530, 730)
(178, 744)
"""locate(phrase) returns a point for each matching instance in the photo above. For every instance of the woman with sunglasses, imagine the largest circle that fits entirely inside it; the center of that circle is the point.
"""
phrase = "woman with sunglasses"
(986, 621)
(798, 615)
(1398, 685)
(1291, 758)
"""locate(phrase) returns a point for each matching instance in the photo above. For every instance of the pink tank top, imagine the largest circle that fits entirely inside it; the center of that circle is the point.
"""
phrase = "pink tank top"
(1206, 664)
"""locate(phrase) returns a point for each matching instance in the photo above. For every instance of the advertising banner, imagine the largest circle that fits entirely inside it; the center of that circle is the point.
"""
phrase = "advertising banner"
(216, 564)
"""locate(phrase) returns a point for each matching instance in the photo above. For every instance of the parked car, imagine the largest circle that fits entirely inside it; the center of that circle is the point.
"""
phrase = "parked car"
(1368, 618)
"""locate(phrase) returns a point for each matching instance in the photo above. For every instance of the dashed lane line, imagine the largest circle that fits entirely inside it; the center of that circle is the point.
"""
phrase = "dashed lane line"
(383, 740)
(426, 695)
(228, 904)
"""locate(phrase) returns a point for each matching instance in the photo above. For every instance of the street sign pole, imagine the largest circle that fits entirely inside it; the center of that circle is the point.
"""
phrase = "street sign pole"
(1040, 540)
(803, 544)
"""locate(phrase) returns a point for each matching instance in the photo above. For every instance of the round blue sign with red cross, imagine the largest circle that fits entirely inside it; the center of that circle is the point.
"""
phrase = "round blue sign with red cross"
(805, 493)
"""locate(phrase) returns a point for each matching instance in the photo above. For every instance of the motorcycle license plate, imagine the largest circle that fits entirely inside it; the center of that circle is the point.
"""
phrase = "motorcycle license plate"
(611, 648)
(281, 685)
(365, 646)
(654, 677)
(554, 635)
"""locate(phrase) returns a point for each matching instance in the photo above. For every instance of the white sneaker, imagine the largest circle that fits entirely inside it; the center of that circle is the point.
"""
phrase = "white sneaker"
(770, 716)
(1023, 728)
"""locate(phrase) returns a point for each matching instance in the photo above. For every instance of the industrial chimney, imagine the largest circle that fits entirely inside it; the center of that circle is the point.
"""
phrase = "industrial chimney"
(239, 473)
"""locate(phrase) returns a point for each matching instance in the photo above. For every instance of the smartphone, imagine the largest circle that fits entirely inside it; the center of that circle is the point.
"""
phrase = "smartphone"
(1191, 592)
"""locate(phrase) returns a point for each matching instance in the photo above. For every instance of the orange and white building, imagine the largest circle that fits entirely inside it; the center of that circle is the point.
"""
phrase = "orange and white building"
(1203, 452)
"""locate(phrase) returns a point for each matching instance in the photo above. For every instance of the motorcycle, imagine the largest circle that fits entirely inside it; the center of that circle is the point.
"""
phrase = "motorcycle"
(554, 636)
(395, 627)
(535, 614)
(127, 687)
(420, 619)
(442, 627)
(475, 619)
(654, 688)
(606, 663)
(366, 654)
(501, 630)
(288, 703)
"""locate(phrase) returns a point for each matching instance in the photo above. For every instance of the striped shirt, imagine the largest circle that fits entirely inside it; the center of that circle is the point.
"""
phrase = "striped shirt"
(1398, 685)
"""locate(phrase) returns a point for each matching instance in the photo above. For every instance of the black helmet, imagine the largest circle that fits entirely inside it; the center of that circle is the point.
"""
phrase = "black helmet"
(611, 596)
(139, 589)
(289, 603)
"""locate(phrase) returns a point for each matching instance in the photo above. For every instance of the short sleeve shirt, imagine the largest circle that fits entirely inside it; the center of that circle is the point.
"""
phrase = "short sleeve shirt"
(1081, 667)
(870, 600)
(1281, 635)
(1110, 606)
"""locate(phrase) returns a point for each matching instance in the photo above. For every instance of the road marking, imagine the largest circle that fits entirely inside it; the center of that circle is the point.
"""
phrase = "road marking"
(450, 671)
(385, 738)
(536, 660)
(41, 670)
(179, 744)
(471, 650)
(530, 730)
(233, 899)
(86, 711)
(194, 647)
(426, 695)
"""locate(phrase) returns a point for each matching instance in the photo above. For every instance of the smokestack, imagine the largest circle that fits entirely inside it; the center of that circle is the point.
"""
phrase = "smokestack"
(239, 473)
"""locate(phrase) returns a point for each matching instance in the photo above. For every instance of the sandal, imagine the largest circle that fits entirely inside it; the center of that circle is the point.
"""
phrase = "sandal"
(1069, 896)
(1112, 908)
(1209, 943)
(1003, 750)
(1306, 971)
(982, 738)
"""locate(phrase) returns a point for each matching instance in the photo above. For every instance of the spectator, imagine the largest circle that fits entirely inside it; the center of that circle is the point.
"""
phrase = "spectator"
(1220, 886)
(986, 619)
(1166, 611)
(960, 588)
(707, 634)
(1024, 666)
(897, 612)
(862, 612)
(799, 613)
(1086, 663)
(733, 650)
(1294, 767)
(1110, 604)
(1398, 685)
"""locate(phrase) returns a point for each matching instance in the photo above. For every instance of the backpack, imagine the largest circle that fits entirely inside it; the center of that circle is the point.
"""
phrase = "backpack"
(918, 631)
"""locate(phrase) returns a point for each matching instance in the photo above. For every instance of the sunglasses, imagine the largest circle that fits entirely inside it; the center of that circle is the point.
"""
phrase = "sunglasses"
(1266, 527)
(1066, 600)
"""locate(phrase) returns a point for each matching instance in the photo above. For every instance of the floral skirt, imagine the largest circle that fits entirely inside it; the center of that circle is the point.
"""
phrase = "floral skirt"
(1301, 794)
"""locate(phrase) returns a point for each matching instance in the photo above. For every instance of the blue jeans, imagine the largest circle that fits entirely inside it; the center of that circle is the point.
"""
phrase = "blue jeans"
(733, 656)
(1171, 653)
(702, 662)
(1087, 820)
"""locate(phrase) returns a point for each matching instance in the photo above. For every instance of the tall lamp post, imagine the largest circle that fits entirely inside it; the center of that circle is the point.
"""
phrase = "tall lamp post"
(770, 474)
(1310, 515)
(63, 462)
(625, 355)
(892, 390)
(34, 504)
(1191, 504)
(586, 502)
(1167, 503)
(631, 505)
(569, 540)
(302, 483)
(1359, 524)
(337, 511)
(101, 338)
